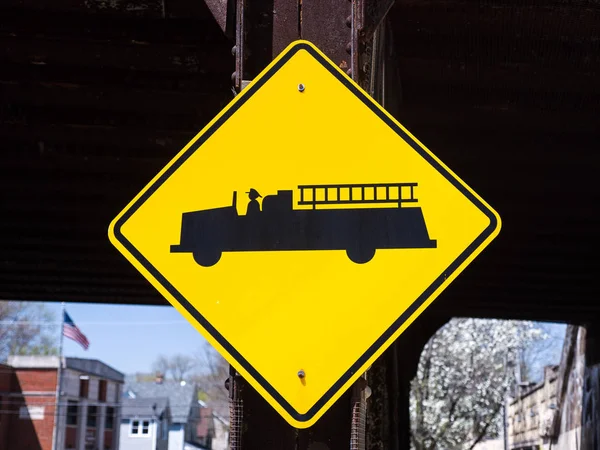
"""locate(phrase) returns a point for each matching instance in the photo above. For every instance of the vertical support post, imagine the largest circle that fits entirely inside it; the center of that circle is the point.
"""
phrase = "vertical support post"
(82, 423)
(116, 417)
(57, 406)
(360, 393)
(236, 409)
(101, 426)
(239, 52)
(351, 34)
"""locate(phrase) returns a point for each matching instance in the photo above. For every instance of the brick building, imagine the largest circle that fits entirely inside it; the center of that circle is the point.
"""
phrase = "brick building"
(88, 414)
(5, 387)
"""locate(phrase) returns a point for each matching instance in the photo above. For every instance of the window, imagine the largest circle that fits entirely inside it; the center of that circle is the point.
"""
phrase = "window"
(84, 385)
(102, 391)
(92, 411)
(72, 412)
(140, 427)
(110, 418)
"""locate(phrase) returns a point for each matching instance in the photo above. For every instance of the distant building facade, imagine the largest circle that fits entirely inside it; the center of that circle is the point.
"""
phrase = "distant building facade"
(145, 424)
(88, 408)
(547, 416)
(529, 413)
(183, 404)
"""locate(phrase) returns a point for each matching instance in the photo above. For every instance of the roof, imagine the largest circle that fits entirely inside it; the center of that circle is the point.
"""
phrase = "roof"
(181, 398)
(85, 365)
(144, 407)
(95, 367)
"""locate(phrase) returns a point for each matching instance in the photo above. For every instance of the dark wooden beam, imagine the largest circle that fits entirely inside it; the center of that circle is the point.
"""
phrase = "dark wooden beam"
(133, 56)
(145, 9)
(141, 8)
(548, 21)
(472, 76)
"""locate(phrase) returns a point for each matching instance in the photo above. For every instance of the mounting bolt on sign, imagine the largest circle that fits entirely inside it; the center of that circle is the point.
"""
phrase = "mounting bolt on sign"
(257, 231)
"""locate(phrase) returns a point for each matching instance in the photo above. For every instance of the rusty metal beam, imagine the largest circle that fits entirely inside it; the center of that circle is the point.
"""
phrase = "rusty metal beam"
(224, 12)
(346, 32)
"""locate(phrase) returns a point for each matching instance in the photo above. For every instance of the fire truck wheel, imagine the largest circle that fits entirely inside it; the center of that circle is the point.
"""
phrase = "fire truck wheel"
(360, 255)
(207, 258)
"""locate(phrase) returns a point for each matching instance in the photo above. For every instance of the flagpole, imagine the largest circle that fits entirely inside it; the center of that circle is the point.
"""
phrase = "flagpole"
(59, 380)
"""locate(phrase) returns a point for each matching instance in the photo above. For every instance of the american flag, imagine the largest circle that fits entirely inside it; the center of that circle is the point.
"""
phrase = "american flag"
(71, 331)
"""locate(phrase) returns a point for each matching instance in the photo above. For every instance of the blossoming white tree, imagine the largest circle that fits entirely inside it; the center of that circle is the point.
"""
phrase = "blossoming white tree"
(462, 379)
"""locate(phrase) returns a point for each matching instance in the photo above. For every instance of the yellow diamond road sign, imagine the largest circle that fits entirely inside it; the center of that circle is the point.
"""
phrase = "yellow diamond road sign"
(302, 231)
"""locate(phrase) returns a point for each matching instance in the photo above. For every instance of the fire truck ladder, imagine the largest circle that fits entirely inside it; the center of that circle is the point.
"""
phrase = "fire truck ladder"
(340, 194)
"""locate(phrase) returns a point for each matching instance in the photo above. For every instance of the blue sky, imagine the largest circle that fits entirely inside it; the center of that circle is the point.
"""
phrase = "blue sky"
(129, 338)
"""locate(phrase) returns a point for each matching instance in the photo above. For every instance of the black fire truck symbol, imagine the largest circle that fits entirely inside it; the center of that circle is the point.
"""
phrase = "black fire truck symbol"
(358, 229)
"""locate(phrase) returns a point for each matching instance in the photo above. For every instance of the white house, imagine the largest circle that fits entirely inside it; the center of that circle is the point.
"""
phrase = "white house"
(145, 424)
(183, 404)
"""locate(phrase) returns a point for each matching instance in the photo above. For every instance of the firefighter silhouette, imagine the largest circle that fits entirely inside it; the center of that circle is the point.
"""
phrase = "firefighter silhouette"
(253, 206)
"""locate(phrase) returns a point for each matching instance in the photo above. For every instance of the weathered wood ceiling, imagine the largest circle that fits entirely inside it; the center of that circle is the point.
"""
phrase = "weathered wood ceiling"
(507, 93)
(96, 95)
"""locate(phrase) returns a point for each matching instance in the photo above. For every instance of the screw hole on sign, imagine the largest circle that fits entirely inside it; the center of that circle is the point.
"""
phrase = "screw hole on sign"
(301, 87)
